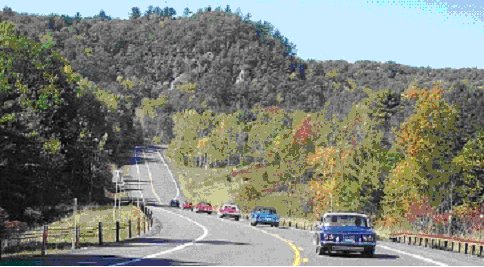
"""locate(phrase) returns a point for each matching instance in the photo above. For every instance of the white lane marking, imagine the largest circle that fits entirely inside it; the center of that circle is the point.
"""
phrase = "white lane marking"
(171, 175)
(413, 255)
(139, 175)
(184, 245)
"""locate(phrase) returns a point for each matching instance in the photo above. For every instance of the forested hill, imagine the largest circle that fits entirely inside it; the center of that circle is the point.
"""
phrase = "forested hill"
(221, 60)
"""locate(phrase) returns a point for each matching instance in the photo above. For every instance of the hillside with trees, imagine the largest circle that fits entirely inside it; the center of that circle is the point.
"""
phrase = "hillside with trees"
(226, 91)
(221, 60)
(58, 131)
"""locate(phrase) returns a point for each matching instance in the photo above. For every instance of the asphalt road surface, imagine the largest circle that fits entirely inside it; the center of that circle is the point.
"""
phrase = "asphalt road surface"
(187, 238)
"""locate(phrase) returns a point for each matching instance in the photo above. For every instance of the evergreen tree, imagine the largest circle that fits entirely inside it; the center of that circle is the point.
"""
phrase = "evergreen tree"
(135, 13)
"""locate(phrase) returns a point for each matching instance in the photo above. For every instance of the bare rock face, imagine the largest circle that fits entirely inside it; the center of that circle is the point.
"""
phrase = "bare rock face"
(241, 77)
(181, 79)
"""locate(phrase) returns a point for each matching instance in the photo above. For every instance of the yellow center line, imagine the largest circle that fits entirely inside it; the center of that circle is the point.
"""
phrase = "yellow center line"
(297, 253)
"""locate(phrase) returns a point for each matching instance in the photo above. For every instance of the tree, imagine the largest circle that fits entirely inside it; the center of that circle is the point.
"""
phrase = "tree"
(135, 13)
(63, 128)
(186, 12)
(469, 163)
(149, 11)
(227, 9)
(102, 15)
(426, 141)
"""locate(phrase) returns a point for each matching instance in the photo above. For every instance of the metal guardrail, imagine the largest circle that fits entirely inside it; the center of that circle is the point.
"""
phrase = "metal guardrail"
(453, 244)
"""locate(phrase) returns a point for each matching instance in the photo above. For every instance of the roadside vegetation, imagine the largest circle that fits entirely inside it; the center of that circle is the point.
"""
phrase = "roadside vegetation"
(246, 119)
(304, 164)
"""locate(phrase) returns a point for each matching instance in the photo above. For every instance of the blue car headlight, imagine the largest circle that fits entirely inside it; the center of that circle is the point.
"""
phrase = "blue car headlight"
(368, 238)
(329, 237)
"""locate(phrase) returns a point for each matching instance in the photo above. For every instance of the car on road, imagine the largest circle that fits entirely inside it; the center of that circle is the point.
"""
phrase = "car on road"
(175, 203)
(264, 215)
(203, 207)
(345, 232)
(187, 205)
(229, 210)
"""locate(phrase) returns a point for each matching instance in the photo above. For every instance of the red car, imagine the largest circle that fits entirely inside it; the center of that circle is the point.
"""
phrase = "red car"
(187, 205)
(229, 210)
(204, 207)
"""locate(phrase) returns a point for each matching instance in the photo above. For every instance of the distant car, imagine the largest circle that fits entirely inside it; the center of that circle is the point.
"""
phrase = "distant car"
(204, 207)
(175, 203)
(264, 215)
(230, 211)
(345, 232)
(187, 205)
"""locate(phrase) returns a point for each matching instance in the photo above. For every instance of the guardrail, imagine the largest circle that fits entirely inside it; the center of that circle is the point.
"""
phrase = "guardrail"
(289, 223)
(39, 240)
(454, 244)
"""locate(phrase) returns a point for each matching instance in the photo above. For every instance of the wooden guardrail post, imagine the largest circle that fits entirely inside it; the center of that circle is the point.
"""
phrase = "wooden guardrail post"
(466, 246)
(78, 236)
(117, 231)
(129, 229)
(138, 226)
(144, 225)
(100, 233)
(45, 235)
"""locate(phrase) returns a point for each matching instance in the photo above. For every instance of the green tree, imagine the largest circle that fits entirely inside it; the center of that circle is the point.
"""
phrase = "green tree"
(135, 13)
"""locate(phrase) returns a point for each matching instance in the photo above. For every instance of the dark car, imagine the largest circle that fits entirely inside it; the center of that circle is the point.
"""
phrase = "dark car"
(345, 232)
(264, 215)
(175, 203)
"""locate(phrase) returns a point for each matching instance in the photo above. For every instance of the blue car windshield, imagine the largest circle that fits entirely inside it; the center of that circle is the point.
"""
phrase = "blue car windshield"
(345, 220)
(268, 211)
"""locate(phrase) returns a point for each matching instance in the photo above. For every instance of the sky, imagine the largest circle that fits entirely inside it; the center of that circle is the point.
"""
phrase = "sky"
(422, 33)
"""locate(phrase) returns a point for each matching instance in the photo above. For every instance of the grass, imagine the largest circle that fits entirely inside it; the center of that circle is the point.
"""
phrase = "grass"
(61, 232)
(211, 185)
(88, 220)
(199, 184)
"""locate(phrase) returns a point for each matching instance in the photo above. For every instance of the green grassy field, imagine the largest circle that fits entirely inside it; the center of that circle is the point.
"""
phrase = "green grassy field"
(212, 185)
(88, 221)
(198, 184)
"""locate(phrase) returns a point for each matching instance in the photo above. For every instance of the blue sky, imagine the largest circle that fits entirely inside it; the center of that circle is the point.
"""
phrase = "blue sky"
(435, 33)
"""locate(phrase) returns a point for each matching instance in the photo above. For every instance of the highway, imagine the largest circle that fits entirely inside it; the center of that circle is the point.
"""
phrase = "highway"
(187, 238)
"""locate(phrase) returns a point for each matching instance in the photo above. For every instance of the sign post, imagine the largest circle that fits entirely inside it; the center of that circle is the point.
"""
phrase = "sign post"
(74, 229)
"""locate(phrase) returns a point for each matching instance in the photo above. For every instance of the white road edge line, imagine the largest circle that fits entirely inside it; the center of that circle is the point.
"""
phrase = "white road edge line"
(171, 175)
(184, 245)
(139, 175)
(413, 255)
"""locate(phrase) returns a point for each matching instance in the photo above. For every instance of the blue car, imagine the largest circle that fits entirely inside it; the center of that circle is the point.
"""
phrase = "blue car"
(175, 203)
(345, 232)
(264, 215)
